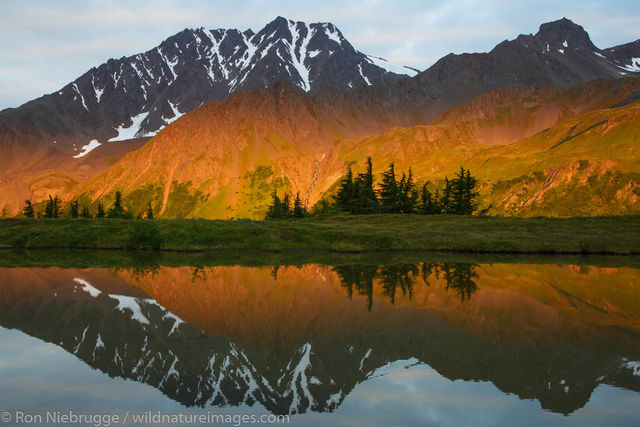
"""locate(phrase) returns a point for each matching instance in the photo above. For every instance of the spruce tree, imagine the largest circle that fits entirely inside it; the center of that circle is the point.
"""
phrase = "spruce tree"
(299, 210)
(470, 193)
(457, 201)
(74, 210)
(388, 191)
(117, 210)
(401, 192)
(28, 211)
(56, 207)
(428, 205)
(48, 209)
(149, 212)
(462, 194)
(345, 200)
(275, 209)
(437, 203)
(365, 195)
(408, 196)
(85, 212)
(52, 209)
(445, 203)
(100, 212)
(285, 206)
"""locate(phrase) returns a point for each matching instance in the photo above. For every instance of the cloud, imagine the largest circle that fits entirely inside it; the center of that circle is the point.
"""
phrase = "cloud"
(53, 42)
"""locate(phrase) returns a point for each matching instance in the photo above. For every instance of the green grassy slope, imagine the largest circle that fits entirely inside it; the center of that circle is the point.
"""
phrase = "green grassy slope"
(616, 235)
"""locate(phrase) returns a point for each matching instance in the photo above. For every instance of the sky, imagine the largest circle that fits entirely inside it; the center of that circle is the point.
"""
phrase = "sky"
(46, 44)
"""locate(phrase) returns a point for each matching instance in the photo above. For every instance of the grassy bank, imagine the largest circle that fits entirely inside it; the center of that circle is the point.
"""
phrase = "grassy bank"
(612, 235)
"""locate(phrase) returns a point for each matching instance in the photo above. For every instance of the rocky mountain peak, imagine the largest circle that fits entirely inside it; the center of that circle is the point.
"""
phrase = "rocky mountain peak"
(564, 33)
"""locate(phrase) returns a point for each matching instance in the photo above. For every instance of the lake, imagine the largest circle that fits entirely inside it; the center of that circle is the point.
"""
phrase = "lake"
(319, 339)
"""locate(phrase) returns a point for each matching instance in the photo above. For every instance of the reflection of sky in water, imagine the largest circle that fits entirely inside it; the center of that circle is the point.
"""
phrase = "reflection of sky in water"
(38, 376)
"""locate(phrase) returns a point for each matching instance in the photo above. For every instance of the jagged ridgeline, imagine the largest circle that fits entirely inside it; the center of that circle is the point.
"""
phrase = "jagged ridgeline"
(546, 122)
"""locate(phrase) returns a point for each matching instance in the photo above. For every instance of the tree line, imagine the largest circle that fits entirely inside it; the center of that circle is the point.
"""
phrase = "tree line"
(53, 209)
(282, 208)
(358, 195)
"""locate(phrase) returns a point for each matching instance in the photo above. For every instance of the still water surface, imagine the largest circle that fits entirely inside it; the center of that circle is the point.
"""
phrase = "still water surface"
(419, 343)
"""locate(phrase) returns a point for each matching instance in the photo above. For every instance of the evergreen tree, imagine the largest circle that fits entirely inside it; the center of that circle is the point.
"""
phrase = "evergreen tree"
(28, 209)
(85, 212)
(56, 207)
(299, 210)
(100, 213)
(365, 195)
(408, 196)
(286, 206)
(52, 209)
(470, 193)
(149, 212)
(429, 202)
(74, 210)
(463, 195)
(48, 209)
(401, 188)
(388, 191)
(274, 207)
(117, 210)
(437, 203)
(456, 204)
(346, 199)
(445, 203)
(279, 209)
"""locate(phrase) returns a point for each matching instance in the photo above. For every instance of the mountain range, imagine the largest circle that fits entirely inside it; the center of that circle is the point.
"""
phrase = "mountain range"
(303, 338)
(234, 114)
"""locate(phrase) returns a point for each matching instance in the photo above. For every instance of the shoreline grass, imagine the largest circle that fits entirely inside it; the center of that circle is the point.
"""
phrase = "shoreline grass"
(348, 233)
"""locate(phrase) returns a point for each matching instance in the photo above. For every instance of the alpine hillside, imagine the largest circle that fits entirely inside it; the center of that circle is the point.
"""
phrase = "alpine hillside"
(224, 159)
(56, 143)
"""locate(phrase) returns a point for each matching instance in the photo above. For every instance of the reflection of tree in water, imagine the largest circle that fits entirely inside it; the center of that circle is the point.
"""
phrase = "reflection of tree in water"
(459, 277)
(198, 273)
(274, 271)
(398, 275)
(141, 269)
(358, 276)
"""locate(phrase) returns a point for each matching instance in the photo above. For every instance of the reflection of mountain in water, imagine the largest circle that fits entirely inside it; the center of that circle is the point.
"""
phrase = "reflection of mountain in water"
(295, 343)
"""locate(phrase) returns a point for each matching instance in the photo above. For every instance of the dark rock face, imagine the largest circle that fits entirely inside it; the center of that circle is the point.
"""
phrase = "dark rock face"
(625, 56)
(139, 95)
(561, 54)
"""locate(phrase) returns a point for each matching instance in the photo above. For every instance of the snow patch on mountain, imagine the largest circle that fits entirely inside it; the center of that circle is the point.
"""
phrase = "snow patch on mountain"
(131, 131)
(366, 80)
(393, 366)
(633, 365)
(130, 303)
(333, 33)
(299, 55)
(390, 67)
(86, 286)
(86, 149)
(300, 375)
(176, 113)
(633, 66)
(97, 92)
